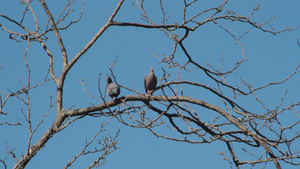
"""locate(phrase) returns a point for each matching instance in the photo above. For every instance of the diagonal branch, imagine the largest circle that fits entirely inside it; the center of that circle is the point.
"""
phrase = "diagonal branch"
(92, 41)
(59, 39)
(61, 115)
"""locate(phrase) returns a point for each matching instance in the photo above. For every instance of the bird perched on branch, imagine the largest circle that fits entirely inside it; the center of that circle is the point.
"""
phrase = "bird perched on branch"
(112, 89)
(150, 82)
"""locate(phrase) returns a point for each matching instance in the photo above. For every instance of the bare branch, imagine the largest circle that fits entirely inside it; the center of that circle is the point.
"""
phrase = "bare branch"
(224, 113)
(107, 146)
(59, 39)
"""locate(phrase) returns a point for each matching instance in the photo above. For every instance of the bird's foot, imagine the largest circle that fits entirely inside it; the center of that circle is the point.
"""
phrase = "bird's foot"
(150, 92)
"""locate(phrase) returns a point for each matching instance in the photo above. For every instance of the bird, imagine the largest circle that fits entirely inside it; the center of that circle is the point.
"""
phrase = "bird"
(150, 82)
(112, 89)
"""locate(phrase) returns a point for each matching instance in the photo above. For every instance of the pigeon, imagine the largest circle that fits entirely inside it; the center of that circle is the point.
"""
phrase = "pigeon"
(150, 82)
(112, 89)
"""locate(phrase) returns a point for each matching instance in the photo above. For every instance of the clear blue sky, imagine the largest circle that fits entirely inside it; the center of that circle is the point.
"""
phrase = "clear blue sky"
(270, 58)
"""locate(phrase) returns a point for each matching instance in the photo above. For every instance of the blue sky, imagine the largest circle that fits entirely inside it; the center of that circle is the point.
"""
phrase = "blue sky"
(270, 58)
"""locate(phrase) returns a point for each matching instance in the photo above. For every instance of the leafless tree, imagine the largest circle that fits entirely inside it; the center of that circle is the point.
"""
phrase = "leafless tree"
(233, 123)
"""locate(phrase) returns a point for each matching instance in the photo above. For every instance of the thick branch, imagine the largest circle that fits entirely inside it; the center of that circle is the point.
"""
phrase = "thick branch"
(165, 26)
(147, 98)
(41, 143)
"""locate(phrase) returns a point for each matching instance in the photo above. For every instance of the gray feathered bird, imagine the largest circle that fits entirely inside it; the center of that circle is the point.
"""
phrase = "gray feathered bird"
(150, 82)
(112, 89)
